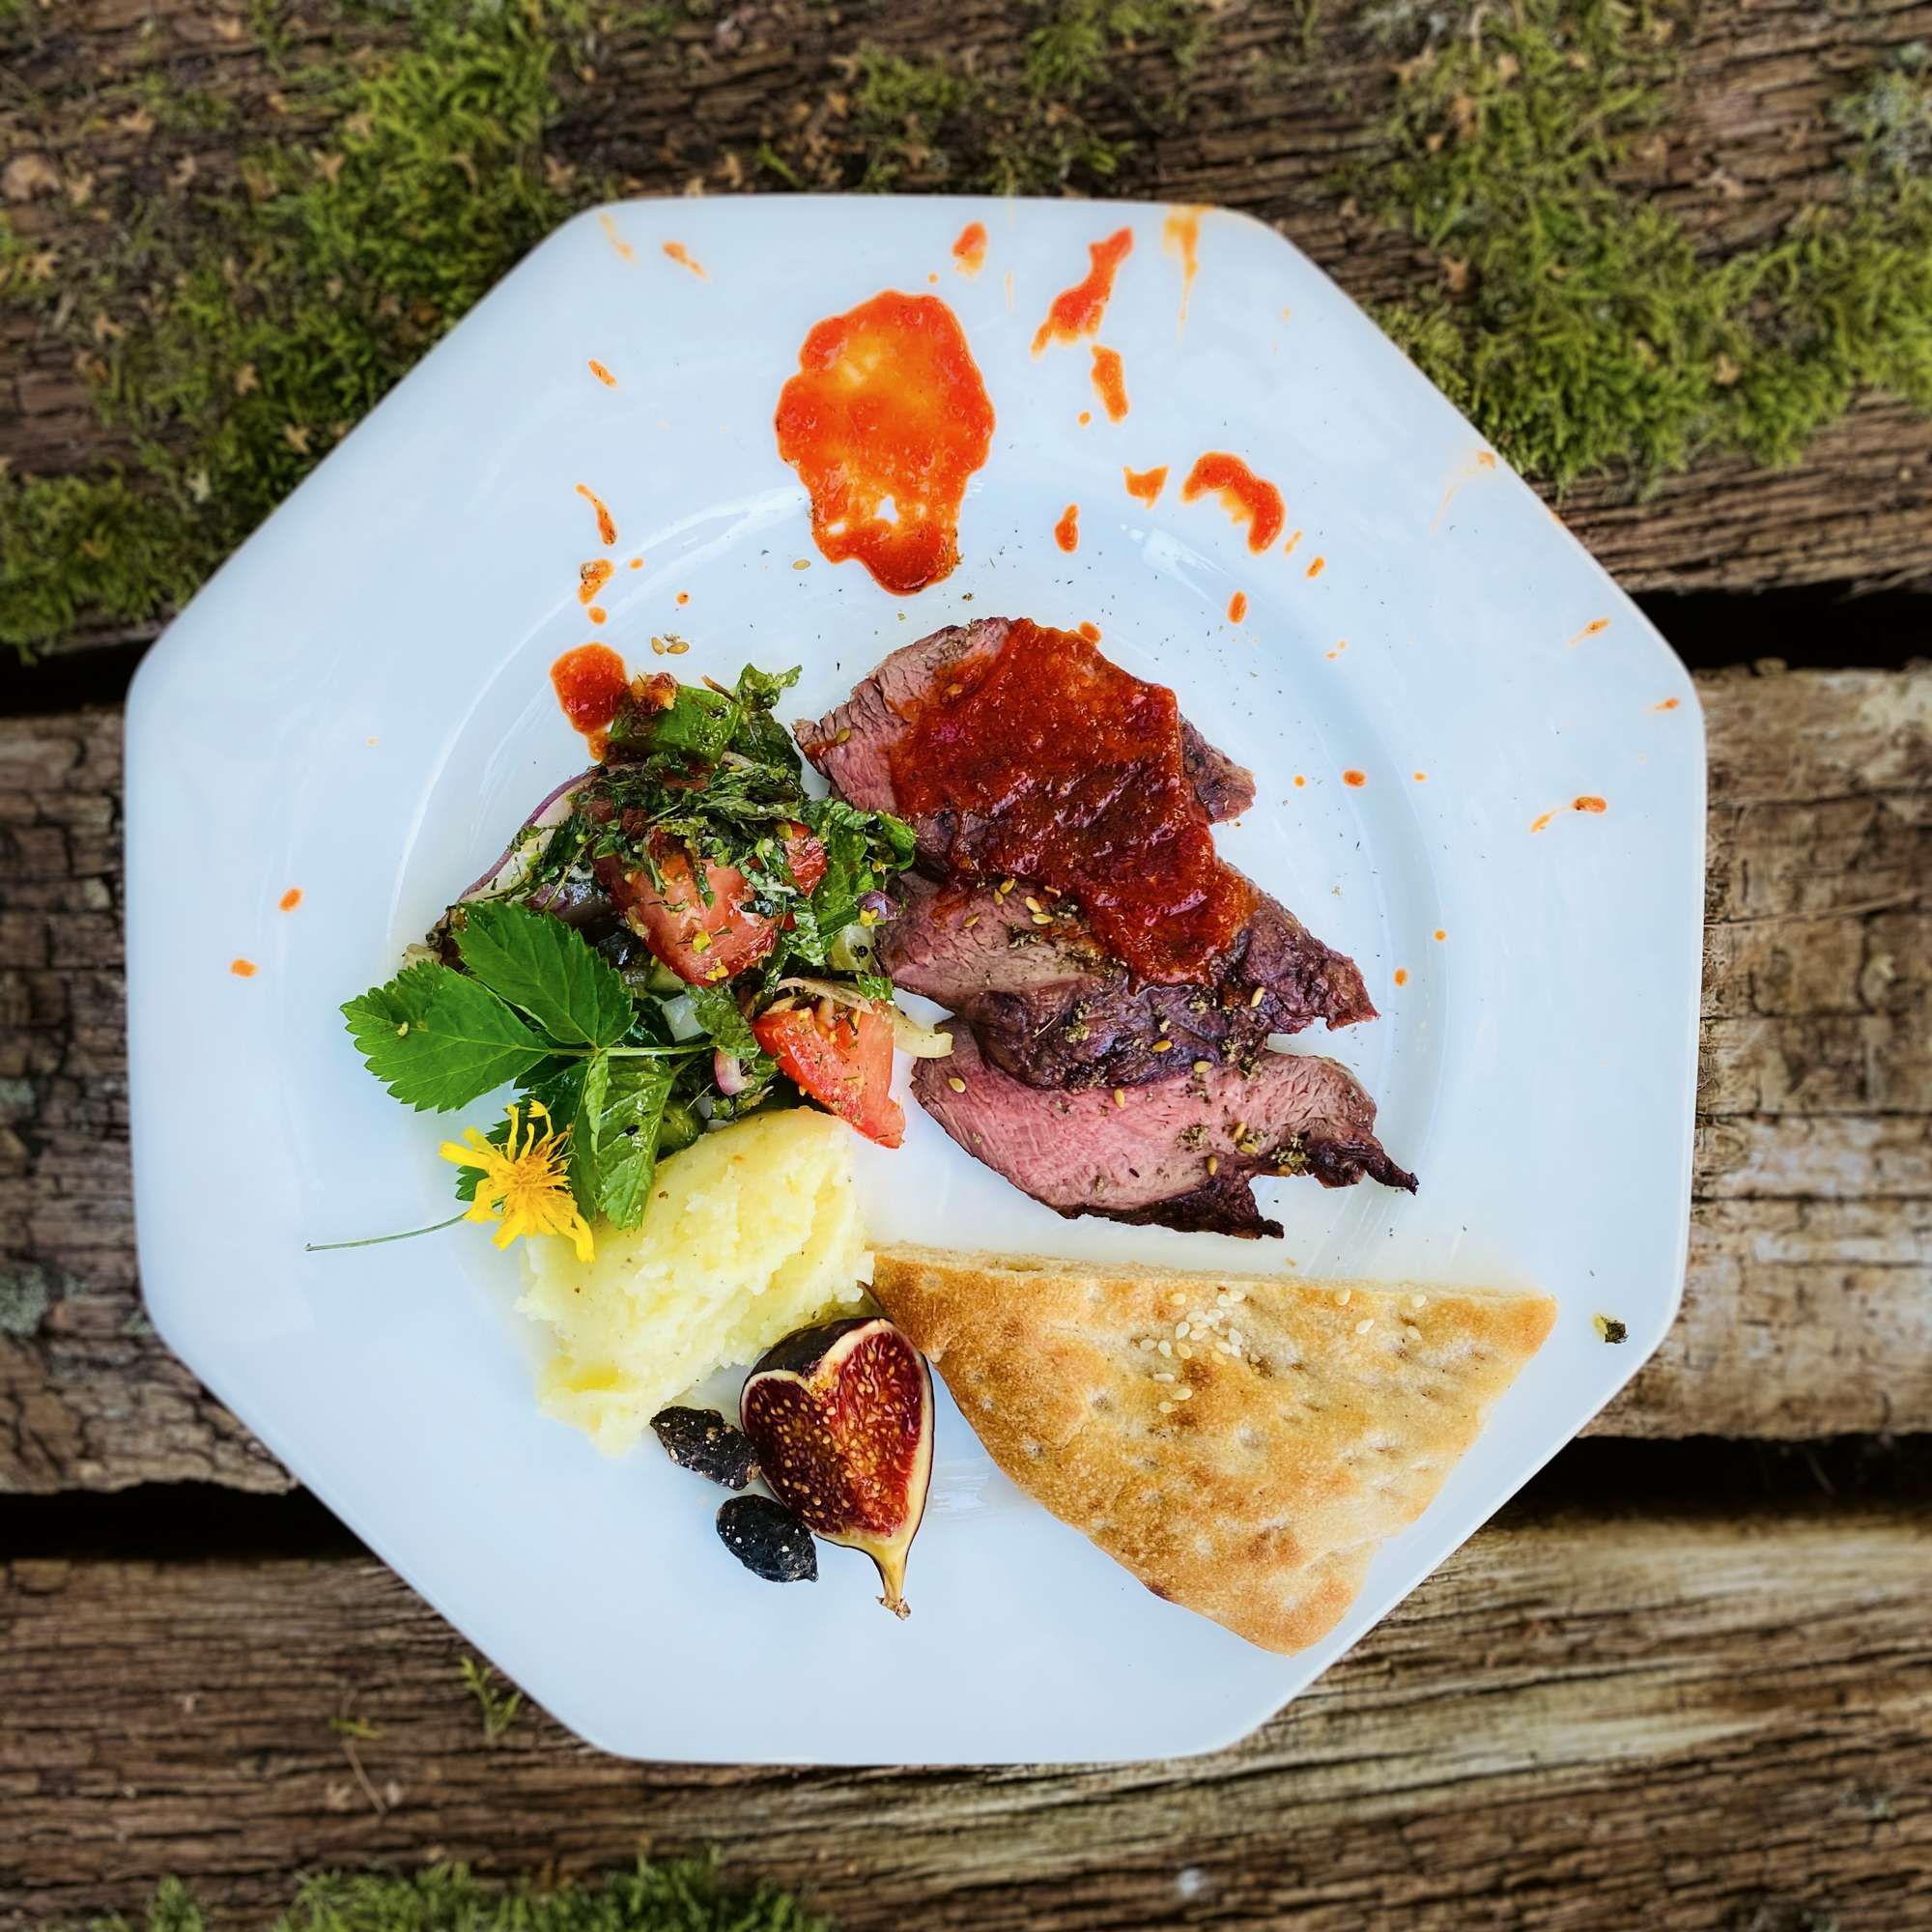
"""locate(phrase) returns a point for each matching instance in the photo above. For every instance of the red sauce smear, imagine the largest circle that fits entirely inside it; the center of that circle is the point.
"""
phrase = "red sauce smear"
(682, 256)
(1354, 777)
(1077, 311)
(607, 528)
(1146, 484)
(602, 374)
(1067, 531)
(1595, 627)
(888, 402)
(1110, 381)
(290, 899)
(1237, 607)
(592, 577)
(969, 252)
(1248, 499)
(1287, 548)
(1590, 805)
(244, 969)
(1181, 234)
(1402, 975)
(1668, 705)
(590, 683)
(1316, 568)
(1077, 767)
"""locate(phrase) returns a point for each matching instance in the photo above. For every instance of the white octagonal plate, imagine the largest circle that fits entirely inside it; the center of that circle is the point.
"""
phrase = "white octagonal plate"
(359, 707)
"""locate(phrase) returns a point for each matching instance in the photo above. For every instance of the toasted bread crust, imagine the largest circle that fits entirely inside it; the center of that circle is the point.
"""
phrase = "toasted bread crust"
(1258, 1497)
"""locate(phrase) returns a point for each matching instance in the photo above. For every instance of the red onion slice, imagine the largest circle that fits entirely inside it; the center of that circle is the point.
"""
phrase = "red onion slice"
(729, 1074)
(547, 817)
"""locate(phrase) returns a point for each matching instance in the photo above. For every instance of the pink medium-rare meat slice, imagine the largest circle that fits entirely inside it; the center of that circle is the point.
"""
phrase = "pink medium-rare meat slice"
(853, 744)
(1178, 1153)
(1054, 1010)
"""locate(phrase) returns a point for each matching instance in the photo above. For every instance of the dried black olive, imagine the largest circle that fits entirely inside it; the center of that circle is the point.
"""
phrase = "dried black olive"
(768, 1540)
(701, 1441)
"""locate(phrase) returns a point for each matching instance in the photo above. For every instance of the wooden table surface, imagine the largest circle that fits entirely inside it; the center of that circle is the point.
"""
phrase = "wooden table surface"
(1683, 1682)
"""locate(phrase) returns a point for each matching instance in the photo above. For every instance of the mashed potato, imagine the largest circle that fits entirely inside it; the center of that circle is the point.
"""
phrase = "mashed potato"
(752, 1232)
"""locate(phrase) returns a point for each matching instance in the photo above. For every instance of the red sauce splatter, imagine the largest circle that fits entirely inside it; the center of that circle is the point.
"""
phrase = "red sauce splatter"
(1147, 484)
(682, 256)
(1091, 632)
(590, 683)
(1354, 778)
(290, 899)
(1590, 805)
(602, 374)
(1110, 381)
(1181, 234)
(1318, 566)
(615, 239)
(1248, 499)
(1593, 628)
(1668, 705)
(1541, 822)
(1402, 975)
(607, 528)
(1585, 803)
(1422, 778)
(1076, 769)
(1077, 311)
(1287, 548)
(888, 402)
(244, 969)
(1440, 934)
(933, 278)
(636, 564)
(684, 596)
(1237, 607)
(1299, 780)
(1067, 531)
(592, 577)
(969, 251)
(596, 613)
(1084, 417)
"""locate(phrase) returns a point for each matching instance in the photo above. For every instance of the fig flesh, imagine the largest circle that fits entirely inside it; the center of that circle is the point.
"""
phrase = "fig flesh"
(841, 1416)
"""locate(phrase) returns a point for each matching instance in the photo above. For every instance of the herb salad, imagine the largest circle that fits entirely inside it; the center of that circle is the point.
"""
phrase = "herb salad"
(675, 938)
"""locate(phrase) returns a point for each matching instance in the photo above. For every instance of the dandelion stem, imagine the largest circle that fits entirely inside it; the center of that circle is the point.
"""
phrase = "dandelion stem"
(377, 1240)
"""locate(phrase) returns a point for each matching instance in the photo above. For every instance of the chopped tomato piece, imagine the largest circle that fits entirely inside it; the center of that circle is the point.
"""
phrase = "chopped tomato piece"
(845, 1065)
(708, 944)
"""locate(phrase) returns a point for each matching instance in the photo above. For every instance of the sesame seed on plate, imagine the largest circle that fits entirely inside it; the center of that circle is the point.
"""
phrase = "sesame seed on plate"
(1185, 1354)
(1363, 1327)
(1342, 1299)
(1181, 1331)
(1183, 1395)
(1418, 1301)
(1167, 1408)
(1167, 1347)
(1163, 1377)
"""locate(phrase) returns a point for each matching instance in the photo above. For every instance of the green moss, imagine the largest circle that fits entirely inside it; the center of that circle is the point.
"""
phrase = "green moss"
(1575, 320)
(671, 1896)
(262, 319)
(922, 122)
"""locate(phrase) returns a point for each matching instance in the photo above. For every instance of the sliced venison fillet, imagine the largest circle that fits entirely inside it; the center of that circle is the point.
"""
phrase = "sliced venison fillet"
(853, 744)
(1178, 1152)
(1053, 1009)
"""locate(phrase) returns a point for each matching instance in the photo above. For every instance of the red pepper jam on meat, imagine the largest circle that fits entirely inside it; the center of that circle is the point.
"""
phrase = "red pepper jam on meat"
(1075, 767)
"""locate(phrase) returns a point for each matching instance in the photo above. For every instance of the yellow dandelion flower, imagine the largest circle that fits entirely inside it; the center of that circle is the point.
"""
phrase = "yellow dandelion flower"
(523, 1185)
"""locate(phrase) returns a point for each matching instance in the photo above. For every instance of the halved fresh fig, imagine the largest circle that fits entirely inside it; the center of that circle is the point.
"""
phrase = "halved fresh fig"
(841, 1418)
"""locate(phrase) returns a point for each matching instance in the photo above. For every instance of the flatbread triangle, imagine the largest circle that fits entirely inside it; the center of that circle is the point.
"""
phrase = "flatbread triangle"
(1241, 1442)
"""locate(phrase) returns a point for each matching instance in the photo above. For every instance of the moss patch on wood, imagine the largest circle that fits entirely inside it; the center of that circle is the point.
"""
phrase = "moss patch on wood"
(1574, 319)
(672, 1896)
(231, 318)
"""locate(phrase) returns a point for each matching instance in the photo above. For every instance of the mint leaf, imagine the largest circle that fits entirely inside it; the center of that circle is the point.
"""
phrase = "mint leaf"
(438, 1040)
(548, 970)
(626, 1128)
(864, 852)
(717, 1012)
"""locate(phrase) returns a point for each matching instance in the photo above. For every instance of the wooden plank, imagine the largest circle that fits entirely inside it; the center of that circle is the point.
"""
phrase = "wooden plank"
(1807, 1310)
(1261, 124)
(1579, 1722)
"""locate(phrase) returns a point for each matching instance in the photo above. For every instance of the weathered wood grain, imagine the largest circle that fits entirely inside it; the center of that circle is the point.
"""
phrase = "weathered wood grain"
(1578, 1723)
(1809, 1310)
(1263, 123)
